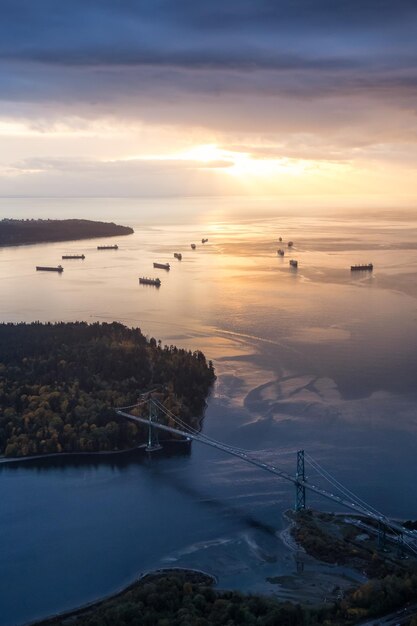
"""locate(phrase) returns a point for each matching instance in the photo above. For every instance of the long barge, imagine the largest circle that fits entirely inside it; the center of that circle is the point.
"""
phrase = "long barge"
(162, 266)
(49, 268)
(73, 256)
(115, 247)
(293, 263)
(150, 281)
(367, 267)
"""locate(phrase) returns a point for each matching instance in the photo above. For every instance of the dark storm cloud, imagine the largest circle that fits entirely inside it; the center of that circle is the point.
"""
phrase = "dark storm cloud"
(282, 35)
(243, 65)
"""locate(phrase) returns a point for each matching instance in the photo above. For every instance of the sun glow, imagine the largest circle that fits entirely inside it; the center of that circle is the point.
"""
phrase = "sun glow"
(245, 165)
(241, 164)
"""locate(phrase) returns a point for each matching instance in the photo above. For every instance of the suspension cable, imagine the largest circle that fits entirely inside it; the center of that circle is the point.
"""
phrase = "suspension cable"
(325, 474)
(194, 431)
(358, 502)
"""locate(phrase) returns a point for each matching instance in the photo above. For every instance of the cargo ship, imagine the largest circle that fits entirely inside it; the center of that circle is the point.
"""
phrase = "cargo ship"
(73, 256)
(115, 247)
(193, 246)
(280, 252)
(162, 266)
(178, 255)
(204, 240)
(360, 268)
(48, 268)
(150, 281)
(293, 263)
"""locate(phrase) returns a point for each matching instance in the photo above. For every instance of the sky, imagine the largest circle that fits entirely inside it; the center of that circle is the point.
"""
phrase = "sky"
(228, 97)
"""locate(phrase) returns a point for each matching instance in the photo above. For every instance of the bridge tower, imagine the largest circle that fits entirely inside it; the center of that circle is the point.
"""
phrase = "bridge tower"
(300, 490)
(153, 441)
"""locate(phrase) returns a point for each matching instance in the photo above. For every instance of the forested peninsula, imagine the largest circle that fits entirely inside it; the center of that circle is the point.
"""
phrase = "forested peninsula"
(187, 599)
(60, 383)
(16, 232)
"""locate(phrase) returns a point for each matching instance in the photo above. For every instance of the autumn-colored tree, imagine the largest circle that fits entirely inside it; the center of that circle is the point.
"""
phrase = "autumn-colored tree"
(60, 383)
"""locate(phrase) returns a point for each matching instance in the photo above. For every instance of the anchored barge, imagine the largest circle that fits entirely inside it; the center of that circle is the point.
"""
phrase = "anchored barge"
(293, 263)
(48, 268)
(150, 281)
(162, 266)
(290, 244)
(73, 256)
(361, 268)
(193, 246)
(115, 247)
(280, 252)
(178, 255)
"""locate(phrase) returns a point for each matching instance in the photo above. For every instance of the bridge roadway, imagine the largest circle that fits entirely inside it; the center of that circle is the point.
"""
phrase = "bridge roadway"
(272, 470)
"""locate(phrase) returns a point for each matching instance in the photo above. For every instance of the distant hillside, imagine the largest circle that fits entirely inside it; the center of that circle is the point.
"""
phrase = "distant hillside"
(15, 232)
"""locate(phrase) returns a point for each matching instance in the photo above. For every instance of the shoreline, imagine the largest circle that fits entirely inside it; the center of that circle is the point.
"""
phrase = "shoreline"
(37, 243)
(56, 455)
(95, 604)
(291, 544)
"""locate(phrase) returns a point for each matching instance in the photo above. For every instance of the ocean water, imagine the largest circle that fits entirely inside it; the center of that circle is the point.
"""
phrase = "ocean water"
(316, 358)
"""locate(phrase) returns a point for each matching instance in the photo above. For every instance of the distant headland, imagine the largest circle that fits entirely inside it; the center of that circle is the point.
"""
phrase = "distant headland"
(17, 232)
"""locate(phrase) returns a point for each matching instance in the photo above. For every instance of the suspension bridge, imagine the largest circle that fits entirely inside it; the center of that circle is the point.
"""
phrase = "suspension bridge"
(174, 425)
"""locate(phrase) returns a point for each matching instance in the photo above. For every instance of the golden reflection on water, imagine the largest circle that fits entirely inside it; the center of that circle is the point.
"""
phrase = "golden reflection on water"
(319, 316)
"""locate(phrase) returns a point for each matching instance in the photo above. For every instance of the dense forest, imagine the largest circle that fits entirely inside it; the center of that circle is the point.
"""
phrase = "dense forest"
(59, 384)
(14, 232)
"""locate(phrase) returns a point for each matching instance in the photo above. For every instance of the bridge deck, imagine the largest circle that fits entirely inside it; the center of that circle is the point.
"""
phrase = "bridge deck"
(272, 469)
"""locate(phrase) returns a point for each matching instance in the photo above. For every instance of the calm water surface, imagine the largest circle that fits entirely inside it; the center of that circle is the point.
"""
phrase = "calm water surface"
(315, 358)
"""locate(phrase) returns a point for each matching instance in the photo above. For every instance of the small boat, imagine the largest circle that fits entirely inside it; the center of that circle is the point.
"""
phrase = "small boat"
(48, 268)
(193, 246)
(162, 266)
(178, 255)
(360, 268)
(115, 247)
(204, 240)
(280, 252)
(150, 281)
(73, 256)
(290, 244)
(280, 239)
(293, 263)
